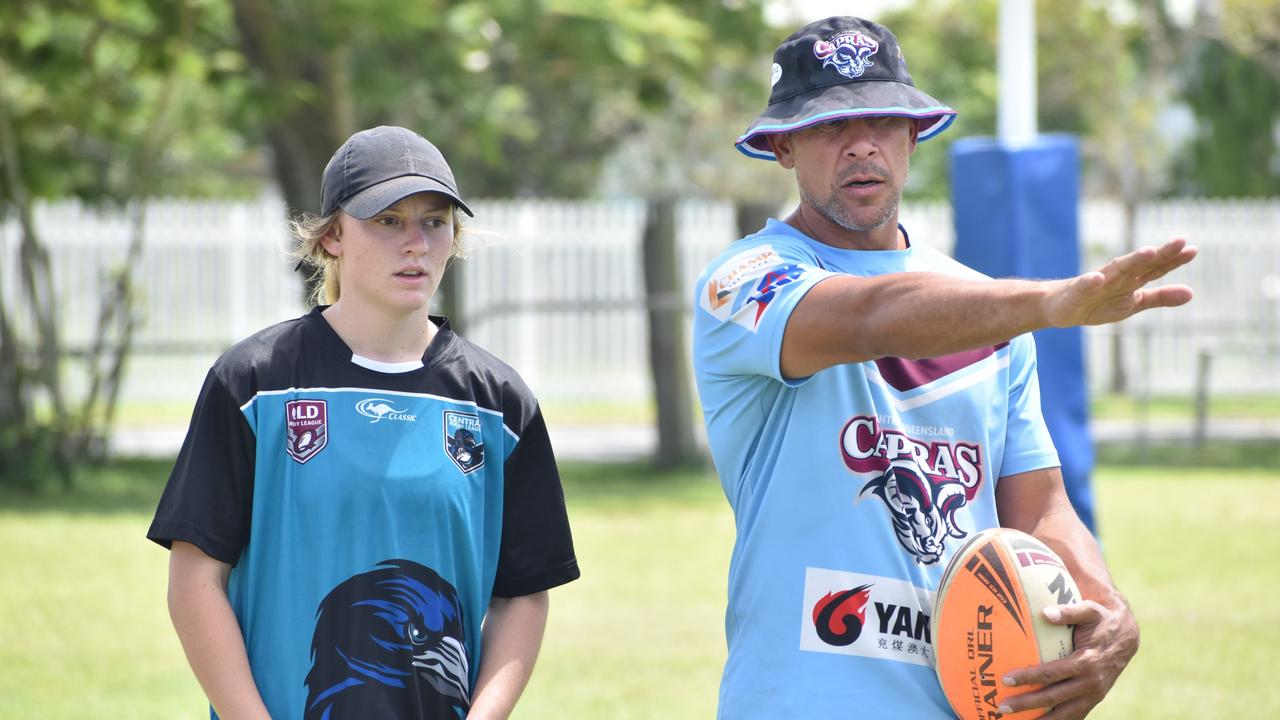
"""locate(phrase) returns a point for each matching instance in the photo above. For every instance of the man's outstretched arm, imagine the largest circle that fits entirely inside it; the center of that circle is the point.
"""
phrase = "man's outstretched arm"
(847, 319)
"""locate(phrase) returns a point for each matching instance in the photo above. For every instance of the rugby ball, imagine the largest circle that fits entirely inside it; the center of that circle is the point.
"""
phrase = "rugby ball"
(988, 619)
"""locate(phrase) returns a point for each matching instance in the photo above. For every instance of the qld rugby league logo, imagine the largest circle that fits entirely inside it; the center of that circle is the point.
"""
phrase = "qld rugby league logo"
(849, 53)
(923, 484)
(306, 428)
(462, 441)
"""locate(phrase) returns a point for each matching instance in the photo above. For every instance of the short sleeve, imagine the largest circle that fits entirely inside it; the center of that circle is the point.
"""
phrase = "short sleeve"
(1027, 444)
(744, 302)
(537, 547)
(208, 500)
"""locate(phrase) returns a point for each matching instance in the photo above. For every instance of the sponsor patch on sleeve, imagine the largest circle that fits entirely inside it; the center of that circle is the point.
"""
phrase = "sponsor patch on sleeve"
(744, 286)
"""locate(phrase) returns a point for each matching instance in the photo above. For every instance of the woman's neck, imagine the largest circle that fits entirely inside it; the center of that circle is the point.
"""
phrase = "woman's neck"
(378, 336)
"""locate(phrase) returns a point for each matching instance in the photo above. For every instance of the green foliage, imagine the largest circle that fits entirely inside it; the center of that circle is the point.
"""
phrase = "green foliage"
(1253, 28)
(1236, 101)
(1215, 456)
(26, 456)
(82, 80)
(107, 101)
(1106, 75)
(950, 47)
(524, 98)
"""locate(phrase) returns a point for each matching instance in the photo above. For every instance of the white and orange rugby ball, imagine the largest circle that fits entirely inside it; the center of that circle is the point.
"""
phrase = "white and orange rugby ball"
(988, 619)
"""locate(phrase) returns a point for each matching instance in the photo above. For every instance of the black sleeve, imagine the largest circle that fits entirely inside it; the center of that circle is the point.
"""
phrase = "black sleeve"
(209, 498)
(537, 549)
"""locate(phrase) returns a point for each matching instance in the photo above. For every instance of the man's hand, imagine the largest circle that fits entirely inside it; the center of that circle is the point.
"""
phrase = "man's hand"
(1105, 638)
(1118, 289)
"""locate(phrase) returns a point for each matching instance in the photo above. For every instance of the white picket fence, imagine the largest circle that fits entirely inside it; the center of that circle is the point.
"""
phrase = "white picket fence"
(556, 288)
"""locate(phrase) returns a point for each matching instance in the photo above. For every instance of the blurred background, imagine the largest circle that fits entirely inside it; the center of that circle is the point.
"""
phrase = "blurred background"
(152, 151)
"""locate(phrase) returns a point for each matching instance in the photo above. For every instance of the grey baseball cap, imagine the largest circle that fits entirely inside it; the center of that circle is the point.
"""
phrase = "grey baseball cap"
(378, 167)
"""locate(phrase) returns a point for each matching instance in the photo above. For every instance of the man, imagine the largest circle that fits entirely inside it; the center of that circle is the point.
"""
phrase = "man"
(870, 404)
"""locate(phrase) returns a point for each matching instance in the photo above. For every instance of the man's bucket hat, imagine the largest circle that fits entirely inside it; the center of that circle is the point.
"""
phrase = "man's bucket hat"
(840, 67)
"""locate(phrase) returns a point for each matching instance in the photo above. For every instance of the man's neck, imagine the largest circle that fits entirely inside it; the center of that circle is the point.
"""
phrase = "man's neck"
(809, 221)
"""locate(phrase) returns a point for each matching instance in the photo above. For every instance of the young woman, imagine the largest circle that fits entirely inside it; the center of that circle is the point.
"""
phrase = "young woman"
(360, 487)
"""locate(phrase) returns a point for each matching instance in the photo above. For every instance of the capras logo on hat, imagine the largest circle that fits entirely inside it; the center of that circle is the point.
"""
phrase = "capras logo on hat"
(849, 53)
(870, 79)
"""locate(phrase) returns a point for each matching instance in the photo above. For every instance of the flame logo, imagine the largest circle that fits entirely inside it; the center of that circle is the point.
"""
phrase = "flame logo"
(838, 617)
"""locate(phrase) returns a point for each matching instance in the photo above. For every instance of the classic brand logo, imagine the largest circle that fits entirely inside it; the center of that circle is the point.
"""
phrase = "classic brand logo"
(380, 409)
(462, 441)
(306, 428)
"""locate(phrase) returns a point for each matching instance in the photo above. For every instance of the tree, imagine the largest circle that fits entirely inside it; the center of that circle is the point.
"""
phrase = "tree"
(1252, 27)
(525, 99)
(1236, 101)
(90, 95)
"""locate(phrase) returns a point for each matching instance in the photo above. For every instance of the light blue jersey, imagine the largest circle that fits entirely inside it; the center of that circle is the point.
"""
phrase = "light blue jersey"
(851, 488)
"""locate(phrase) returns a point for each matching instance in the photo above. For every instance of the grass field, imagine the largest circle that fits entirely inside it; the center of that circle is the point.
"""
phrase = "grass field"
(84, 631)
(1119, 407)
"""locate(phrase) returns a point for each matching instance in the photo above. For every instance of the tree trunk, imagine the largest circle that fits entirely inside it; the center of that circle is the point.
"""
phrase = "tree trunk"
(38, 291)
(450, 293)
(14, 417)
(1119, 373)
(750, 216)
(667, 356)
(304, 134)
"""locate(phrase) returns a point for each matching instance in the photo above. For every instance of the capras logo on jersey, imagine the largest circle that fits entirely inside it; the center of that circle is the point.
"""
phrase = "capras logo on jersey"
(380, 410)
(462, 441)
(849, 53)
(922, 484)
(855, 614)
(306, 428)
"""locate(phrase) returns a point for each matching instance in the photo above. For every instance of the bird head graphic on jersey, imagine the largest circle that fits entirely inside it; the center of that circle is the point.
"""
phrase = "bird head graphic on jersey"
(389, 639)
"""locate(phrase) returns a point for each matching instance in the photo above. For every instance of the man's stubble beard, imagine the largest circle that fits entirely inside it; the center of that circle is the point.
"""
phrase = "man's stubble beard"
(832, 209)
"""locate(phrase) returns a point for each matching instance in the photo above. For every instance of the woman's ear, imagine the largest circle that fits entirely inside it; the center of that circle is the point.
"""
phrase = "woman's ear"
(332, 240)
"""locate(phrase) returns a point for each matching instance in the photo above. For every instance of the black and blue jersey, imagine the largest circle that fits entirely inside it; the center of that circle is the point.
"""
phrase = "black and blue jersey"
(368, 516)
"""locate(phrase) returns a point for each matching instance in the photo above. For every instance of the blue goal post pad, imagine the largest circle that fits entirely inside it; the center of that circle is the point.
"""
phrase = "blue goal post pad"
(1016, 211)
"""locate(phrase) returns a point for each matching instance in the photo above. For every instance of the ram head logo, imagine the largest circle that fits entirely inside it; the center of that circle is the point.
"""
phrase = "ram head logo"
(849, 53)
(923, 511)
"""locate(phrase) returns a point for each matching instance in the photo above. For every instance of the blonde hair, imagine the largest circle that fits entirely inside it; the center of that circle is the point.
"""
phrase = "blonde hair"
(309, 230)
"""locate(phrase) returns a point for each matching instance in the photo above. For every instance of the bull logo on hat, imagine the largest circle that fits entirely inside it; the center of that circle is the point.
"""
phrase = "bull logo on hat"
(849, 53)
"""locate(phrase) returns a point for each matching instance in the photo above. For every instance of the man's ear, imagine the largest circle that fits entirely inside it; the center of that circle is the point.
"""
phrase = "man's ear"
(780, 144)
(915, 137)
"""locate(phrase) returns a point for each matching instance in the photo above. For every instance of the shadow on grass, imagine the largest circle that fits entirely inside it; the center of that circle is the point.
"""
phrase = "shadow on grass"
(1260, 454)
(124, 485)
(133, 485)
(633, 483)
